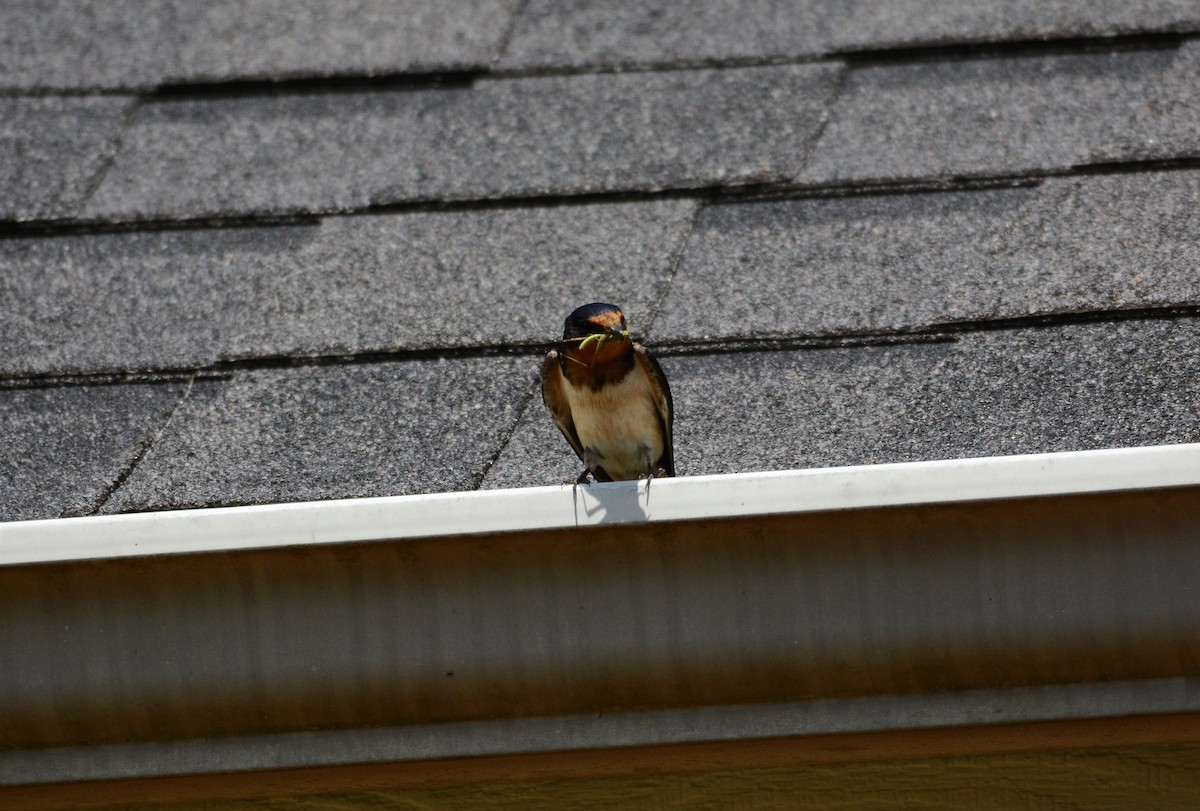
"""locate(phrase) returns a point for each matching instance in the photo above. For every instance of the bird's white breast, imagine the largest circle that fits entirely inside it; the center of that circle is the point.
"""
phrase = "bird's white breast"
(619, 423)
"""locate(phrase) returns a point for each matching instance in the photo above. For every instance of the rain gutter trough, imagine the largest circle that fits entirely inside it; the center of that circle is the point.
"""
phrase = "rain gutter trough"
(791, 606)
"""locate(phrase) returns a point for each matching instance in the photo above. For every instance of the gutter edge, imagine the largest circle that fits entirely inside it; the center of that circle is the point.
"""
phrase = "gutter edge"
(565, 507)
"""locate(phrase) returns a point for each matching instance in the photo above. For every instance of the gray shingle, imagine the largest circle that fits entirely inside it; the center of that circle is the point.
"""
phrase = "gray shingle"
(1006, 116)
(135, 44)
(989, 393)
(331, 431)
(498, 138)
(170, 299)
(888, 262)
(869, 24)
(63, 448)
(623, 33)
(613, 33)
(51, 149)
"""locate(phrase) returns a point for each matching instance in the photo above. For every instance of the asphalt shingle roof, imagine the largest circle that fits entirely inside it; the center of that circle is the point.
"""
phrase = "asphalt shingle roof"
(417, 426)
(266, 251)
(144, 44)
(1011, 115)
(917, 261)
(521, 137)
(175, 299)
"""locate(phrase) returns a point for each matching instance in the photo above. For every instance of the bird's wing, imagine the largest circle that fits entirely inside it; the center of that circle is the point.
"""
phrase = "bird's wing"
(662, 404)
(556, 400)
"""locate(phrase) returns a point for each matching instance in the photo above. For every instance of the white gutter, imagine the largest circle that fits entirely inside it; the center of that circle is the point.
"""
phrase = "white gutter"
(563, 507)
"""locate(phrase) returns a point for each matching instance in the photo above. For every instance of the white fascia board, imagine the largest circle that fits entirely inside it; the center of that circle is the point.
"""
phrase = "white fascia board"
(565, 506)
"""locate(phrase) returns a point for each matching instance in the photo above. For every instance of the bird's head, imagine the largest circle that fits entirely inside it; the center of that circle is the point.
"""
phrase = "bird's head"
(596, 333)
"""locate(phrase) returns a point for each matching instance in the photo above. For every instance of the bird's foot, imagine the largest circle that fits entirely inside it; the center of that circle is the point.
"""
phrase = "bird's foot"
(648, 460)
(649, 477)
(591, 461)
(583, 478)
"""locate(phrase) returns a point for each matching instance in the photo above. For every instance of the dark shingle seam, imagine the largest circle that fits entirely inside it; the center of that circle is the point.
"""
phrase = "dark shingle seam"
(45, 228)
(507, 436)
(509, 32)
(743, 346)
(225, 369)
(678, 65)
(111, 150)
(38, 229)
(982, 182)
(705, 195)
(144, 449)
(108, 378)
(785, 192)
(682, 192)
(873, 57)
(938, 332)
(1059, 319)
(350, 82)
(1013, 49)
(301, 82)
(1129, 167)
(831, 101)
(356, 83)
(312, 85)
(70, 93)
(710, 194)
(672, 268)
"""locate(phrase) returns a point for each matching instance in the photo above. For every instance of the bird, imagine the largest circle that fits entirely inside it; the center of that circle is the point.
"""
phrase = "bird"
(609, 397)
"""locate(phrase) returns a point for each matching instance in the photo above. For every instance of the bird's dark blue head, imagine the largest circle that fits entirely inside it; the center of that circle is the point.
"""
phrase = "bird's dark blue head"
(597, 318)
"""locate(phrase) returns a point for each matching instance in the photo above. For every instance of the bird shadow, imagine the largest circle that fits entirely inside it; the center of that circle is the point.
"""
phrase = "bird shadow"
(612, 502)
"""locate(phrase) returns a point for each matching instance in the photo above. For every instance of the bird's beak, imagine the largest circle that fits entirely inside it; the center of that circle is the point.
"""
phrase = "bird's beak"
(599, 338)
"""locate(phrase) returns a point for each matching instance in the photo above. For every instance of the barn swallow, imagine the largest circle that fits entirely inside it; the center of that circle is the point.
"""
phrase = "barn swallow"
(609, 397)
